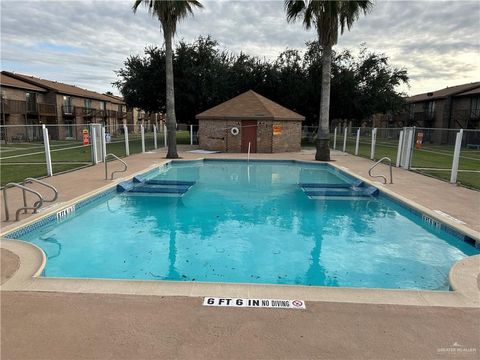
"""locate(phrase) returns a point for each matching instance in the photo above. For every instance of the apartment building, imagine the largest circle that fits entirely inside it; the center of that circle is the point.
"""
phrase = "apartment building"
(64, 108)
(451, 107)
(23, 103)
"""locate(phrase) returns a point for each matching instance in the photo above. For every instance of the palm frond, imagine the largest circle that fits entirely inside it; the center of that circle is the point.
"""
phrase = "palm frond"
(327, 16)
(169, 12)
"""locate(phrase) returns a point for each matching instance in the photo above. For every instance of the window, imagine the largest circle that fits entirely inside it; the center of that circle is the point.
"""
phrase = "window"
(31, 102)
(430, 109)
(67, 105)
(87, 103)
(475, 107)
(411, 112)
(103, 105)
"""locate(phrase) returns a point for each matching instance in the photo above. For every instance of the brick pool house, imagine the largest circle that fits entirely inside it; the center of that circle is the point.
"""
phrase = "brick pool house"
(250, 118)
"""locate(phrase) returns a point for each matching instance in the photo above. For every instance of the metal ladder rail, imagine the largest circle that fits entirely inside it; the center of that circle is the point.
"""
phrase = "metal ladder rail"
(381, 176)
(37, 205)
(116, 171)
(55, 191)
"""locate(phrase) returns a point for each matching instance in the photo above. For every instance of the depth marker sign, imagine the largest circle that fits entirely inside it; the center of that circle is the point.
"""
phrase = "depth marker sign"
(254, 303)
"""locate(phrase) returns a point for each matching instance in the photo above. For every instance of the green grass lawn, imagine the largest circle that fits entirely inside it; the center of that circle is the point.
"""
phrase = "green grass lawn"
(67, 155)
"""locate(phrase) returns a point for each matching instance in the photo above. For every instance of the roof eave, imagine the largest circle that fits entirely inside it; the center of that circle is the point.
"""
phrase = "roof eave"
(24, 88)
(235, 118)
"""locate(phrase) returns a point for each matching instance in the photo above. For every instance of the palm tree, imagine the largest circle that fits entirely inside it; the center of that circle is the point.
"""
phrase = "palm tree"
(169, 13)
(327, 16)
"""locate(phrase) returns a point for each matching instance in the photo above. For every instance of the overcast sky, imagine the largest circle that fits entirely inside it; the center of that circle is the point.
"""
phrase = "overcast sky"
(83, 42)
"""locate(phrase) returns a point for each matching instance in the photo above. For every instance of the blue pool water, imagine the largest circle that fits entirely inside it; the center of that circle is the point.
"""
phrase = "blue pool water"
(251, 223)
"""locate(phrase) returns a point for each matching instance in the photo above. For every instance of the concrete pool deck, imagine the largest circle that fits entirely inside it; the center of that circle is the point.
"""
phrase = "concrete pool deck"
(39, 325)
(352, 324)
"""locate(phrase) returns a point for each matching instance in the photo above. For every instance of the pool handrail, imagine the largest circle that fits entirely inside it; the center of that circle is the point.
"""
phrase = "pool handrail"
(381, 176)
(53, 188)
(115, 171)
(37, 205)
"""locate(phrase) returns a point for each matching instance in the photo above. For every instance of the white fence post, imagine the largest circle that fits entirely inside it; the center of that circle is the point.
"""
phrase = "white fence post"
(399, 149)
(456, 157)
(127, 145)
(410, 134)
(406, 134)
(335, 138)
(142, 132)
(374, 140)
(357, 142)
(104, 144)
(155, 136)
(94, 145)
(345, 139)
(48, 156)
(165, 135)
(191, 134)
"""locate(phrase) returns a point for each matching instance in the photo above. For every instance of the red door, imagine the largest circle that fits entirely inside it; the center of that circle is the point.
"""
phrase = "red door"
(249, 135)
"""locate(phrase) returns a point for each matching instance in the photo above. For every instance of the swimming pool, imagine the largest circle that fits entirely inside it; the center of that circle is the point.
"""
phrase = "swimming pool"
(270, 222)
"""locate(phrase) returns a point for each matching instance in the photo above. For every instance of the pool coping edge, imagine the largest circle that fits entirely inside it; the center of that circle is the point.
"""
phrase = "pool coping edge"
(462, 275)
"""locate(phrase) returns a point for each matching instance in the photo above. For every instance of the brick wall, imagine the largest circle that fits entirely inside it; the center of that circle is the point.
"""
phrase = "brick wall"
(264, 136)
(290, 138)
(216, 135)
(212, 134)
(234, 142)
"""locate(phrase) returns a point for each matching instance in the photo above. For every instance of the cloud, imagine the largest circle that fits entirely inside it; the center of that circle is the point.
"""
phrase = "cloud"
(83, 42)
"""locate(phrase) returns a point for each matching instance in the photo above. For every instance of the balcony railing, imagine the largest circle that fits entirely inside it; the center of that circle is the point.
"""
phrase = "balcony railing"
(99, 113)
(32, 107)
(112, 114)
(85, 112)
(13, 106)
(68, 110)
(46, 109)
(121, 114)
(423, 119)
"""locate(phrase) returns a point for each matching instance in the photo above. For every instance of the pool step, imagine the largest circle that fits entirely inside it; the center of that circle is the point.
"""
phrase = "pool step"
(159, 190)
(170, 182)
(155, 187)
(338, 191)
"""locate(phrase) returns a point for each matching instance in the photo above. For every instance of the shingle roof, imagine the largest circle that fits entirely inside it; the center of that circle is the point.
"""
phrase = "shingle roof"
(59, 87)
(8, 81)
(115, 99)
(470, 92)
(250, 105)
(443, 93)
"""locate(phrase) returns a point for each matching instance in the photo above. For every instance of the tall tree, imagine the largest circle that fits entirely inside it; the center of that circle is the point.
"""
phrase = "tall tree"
(328, 17)
(169, 13)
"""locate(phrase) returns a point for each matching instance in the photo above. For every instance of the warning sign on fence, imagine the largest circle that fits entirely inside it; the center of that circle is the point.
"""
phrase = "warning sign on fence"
(254, 303)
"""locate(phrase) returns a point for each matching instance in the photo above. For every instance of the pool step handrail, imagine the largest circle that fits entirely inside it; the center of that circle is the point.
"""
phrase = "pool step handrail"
(115, 171)
(37, 205)
(381, 176)
(51, 187)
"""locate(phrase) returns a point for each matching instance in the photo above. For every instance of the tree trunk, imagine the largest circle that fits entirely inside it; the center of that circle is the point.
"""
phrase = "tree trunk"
(323, 136)
(170, 95)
